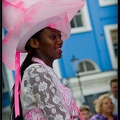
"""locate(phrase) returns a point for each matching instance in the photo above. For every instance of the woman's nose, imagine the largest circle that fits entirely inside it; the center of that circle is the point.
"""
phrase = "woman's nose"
(109, 104)
(60, 41)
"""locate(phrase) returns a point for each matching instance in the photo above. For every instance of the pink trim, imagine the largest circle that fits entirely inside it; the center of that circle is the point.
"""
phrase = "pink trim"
(38, 60)
(80, 114)
(17, 83)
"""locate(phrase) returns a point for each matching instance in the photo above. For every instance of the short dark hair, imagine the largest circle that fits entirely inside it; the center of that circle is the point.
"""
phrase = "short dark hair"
(113, 80)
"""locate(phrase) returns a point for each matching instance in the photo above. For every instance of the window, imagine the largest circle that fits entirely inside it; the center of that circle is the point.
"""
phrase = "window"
(103, 3)
(111, 33)
(87, 67)
(114, 36)
(81, 21)
(77, 20)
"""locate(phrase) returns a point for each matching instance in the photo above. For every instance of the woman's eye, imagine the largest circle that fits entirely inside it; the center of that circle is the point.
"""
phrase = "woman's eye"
(53, 37)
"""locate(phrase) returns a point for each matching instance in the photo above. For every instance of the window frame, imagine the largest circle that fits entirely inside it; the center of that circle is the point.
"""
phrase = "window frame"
(107, 29)
(103, 3)
(86, 22)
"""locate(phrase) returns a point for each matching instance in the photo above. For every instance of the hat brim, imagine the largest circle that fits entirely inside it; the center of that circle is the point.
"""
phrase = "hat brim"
(54, 22)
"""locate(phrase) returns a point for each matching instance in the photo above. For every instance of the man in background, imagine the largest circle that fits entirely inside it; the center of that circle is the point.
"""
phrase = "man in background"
(114, 95)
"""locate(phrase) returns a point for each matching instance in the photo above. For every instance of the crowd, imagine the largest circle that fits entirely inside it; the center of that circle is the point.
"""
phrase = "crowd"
(105, 106)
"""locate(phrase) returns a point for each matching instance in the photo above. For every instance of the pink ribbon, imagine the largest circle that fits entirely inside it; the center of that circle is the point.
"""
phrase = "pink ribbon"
(17, 84)
(81, 116)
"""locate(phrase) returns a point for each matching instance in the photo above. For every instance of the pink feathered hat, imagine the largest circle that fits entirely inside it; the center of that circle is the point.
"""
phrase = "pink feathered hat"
(23, 18)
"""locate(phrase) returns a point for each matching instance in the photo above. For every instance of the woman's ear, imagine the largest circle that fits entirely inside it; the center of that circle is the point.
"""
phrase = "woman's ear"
(34, 43)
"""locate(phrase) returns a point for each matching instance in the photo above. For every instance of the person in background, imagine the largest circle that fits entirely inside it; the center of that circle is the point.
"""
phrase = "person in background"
(114, 95)
(94, 104)
(104, 109)
(85, 109)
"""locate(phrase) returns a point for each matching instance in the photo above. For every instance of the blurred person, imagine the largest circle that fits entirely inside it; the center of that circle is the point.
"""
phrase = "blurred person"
(85, 110)
(95, 101)
(104, 109)
(94, 104)
(114, 95)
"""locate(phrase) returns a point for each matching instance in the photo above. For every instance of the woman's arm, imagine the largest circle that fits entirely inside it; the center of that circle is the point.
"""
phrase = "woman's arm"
(40, 88)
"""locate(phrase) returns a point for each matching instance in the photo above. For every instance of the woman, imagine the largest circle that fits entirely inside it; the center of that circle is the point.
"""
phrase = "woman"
(42, 94)
(104, 109)
(38, 29)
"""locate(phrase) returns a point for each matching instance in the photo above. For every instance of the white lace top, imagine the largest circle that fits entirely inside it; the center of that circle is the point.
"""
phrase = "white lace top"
(43, 96)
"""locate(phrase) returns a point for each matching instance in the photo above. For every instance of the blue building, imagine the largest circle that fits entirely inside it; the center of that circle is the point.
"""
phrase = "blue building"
(94, 43)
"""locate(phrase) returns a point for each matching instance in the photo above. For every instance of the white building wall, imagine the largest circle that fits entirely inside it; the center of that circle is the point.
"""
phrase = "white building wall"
(91, 84)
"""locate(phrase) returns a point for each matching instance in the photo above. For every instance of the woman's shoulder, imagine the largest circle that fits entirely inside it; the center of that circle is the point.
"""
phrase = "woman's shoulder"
(97, 117)
(115, 117)
(34, 66)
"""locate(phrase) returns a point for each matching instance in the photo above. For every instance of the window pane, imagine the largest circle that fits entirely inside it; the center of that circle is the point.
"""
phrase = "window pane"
(81, 67)
(79, 21)
(114, 36)
(89, 66)
(116, 49)
(72, 24)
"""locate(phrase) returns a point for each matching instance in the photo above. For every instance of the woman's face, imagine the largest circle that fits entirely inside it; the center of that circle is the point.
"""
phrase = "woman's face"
(50, 44)
(107, 106)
